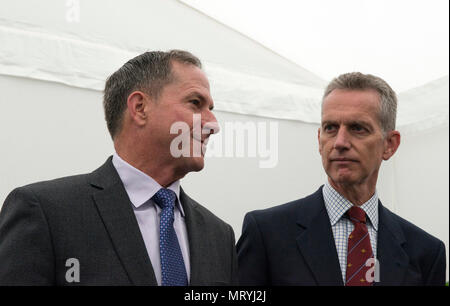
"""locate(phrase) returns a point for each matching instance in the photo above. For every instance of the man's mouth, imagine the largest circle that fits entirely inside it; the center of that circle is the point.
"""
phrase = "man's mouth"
(343, 159)
(202, 141)
(202, 145)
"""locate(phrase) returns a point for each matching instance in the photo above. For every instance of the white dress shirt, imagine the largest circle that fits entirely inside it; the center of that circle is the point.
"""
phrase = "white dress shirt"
(140, 189)
(342, 227)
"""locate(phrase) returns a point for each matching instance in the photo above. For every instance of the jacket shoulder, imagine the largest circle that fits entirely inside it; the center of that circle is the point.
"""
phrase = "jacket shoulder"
(65, 183)
(56, 188)
(412, 233)
(289, 210)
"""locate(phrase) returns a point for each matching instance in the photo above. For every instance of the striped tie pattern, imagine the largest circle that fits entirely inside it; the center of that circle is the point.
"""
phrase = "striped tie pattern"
(172, 264)
(359, 249)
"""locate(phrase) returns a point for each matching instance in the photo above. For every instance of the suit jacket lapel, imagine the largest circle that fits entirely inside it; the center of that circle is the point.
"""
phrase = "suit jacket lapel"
(198, 247)
(392, 258)
(316, 243)
(117, 214)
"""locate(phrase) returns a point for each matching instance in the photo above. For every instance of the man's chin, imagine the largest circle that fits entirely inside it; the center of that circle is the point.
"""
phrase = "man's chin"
(196, 164)
(343, 179)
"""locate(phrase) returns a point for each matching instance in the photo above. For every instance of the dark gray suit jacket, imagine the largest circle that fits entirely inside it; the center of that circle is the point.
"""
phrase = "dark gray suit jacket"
(90, 217)
(293, 244)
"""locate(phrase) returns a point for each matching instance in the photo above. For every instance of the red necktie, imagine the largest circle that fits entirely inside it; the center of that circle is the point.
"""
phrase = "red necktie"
(359, 249)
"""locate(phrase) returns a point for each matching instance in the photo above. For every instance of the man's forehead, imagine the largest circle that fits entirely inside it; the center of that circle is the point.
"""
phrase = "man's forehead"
(342, 115)
(188, 75)
(351, 113)
(364, 96)
(352, 101)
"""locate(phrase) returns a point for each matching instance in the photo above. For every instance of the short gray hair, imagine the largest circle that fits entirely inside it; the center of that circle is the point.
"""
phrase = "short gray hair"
(360, 81)
(148, 72)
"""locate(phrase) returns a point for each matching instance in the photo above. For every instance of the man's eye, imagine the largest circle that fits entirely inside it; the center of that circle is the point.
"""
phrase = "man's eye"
(328, 127)
(358, 128)
(195, 101)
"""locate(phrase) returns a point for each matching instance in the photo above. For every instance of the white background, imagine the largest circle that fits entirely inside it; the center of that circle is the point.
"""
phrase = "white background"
(52, 72)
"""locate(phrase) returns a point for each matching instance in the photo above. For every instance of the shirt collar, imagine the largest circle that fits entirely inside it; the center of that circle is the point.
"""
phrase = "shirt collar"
(337, 205)
(139, 186)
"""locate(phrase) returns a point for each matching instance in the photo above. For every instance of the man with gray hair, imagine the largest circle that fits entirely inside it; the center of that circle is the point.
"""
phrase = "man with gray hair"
(129, 222)
(342, 234)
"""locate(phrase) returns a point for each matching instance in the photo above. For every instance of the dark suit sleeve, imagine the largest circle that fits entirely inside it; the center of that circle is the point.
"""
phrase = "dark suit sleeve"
(26, 255)
(252, 260)
(436, 275)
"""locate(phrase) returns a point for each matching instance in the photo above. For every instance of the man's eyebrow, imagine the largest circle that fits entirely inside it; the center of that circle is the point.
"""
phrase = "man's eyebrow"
(196, 94)
(352, 122)
(359, 122)
(328, 122)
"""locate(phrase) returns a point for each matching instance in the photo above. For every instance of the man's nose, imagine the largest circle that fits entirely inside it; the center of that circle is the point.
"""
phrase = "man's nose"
(342, 140)
(210, 124)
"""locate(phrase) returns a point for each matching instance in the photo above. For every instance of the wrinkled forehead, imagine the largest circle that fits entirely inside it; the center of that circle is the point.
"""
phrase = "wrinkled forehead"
(350, 105)
(352, 98)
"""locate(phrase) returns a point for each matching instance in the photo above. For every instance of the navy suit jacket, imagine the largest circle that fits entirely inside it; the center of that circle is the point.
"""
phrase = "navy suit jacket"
(293, 244)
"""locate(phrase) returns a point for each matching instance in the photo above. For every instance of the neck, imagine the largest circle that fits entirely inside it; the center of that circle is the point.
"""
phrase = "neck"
(149, 162)
(357, 194)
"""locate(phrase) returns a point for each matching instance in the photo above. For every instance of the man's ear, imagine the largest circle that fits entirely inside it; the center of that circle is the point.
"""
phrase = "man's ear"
(138, 107)
(391, 144)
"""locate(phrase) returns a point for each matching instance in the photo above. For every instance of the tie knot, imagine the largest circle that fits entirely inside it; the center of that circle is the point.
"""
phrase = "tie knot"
(165, 198)
(356, 214)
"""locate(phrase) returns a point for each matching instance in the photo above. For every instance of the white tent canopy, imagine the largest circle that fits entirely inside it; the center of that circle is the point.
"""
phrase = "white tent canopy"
(424, 107)
(84, 53)
(247, 78)
(53, 68)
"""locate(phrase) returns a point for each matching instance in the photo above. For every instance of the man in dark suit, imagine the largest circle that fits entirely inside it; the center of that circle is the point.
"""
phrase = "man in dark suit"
(129, 222)
(342, 234)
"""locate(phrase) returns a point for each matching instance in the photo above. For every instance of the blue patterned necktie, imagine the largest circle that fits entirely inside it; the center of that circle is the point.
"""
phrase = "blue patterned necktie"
(172, 265)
